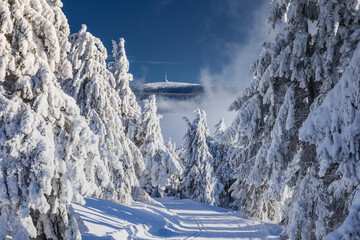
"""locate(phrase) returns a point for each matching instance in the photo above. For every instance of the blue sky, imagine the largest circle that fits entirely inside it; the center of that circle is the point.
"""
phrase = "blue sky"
(181, 37)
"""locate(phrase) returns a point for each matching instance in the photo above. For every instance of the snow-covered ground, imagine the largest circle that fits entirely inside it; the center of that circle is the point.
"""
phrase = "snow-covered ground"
(172, 218)
(156, 85)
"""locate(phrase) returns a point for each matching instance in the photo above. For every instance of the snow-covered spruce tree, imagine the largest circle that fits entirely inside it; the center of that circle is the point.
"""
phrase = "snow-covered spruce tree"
(161, 167)
(223, 171)
(329, 192)
(199, 181)
(173, 188)
(271, 111)
(322, 196)
(220, 128)
(92, 88)
(334, 43)
(291, 78)
(334, 127)
(48, 155)
(130, 109)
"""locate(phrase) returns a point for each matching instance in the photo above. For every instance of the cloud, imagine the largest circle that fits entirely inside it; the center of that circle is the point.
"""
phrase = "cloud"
(224, 85)
(139, 81)
(235, 72)
(214, 103)
(172, 124)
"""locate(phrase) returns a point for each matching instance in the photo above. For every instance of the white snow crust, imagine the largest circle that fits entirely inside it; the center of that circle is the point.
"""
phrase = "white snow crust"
(156, 85)
(170, 219)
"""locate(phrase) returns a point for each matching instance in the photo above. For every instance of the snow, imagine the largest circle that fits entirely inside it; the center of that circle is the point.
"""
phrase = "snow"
(57, 149)
(156, 85)
(199, 181)
(172, 218)
(99, 102)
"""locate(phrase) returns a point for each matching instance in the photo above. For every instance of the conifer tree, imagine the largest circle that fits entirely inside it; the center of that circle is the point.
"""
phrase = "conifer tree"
(277, 175)
(320, 183)
(92, 88)
(220, 128)
(162, 168)
(173, 188)
(130, 109)
(199, 181)
(48, 155)
(219, 150)
(271, 111)
(334, 128)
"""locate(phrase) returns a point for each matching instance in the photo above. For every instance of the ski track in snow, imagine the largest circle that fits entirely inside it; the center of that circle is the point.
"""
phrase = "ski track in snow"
(172, 218)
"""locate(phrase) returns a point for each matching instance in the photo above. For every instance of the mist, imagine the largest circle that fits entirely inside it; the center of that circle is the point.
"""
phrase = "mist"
(221, 86)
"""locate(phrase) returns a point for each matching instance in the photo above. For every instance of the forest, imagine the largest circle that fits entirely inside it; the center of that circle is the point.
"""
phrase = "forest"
(71, 127)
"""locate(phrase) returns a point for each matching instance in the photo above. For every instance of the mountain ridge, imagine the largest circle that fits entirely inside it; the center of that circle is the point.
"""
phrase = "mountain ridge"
(169, 90)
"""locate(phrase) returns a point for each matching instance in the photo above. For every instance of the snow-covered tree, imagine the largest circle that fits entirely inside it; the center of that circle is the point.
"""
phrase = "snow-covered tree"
(199, 181)
(130, 109)
(334, 127)
(220, 128)
(48, 155)
(171, 146)
(92, 88)
(335, 41)
(222, 168)
(277, 175)
(321, 186)
(265, 129)
(173, 188)
(161, 167)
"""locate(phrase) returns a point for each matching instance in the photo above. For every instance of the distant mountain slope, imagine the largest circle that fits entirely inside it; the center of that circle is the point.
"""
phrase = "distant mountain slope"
(170, 90)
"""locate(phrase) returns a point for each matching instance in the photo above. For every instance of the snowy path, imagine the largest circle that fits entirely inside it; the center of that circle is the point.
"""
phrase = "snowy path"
(172, 219)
